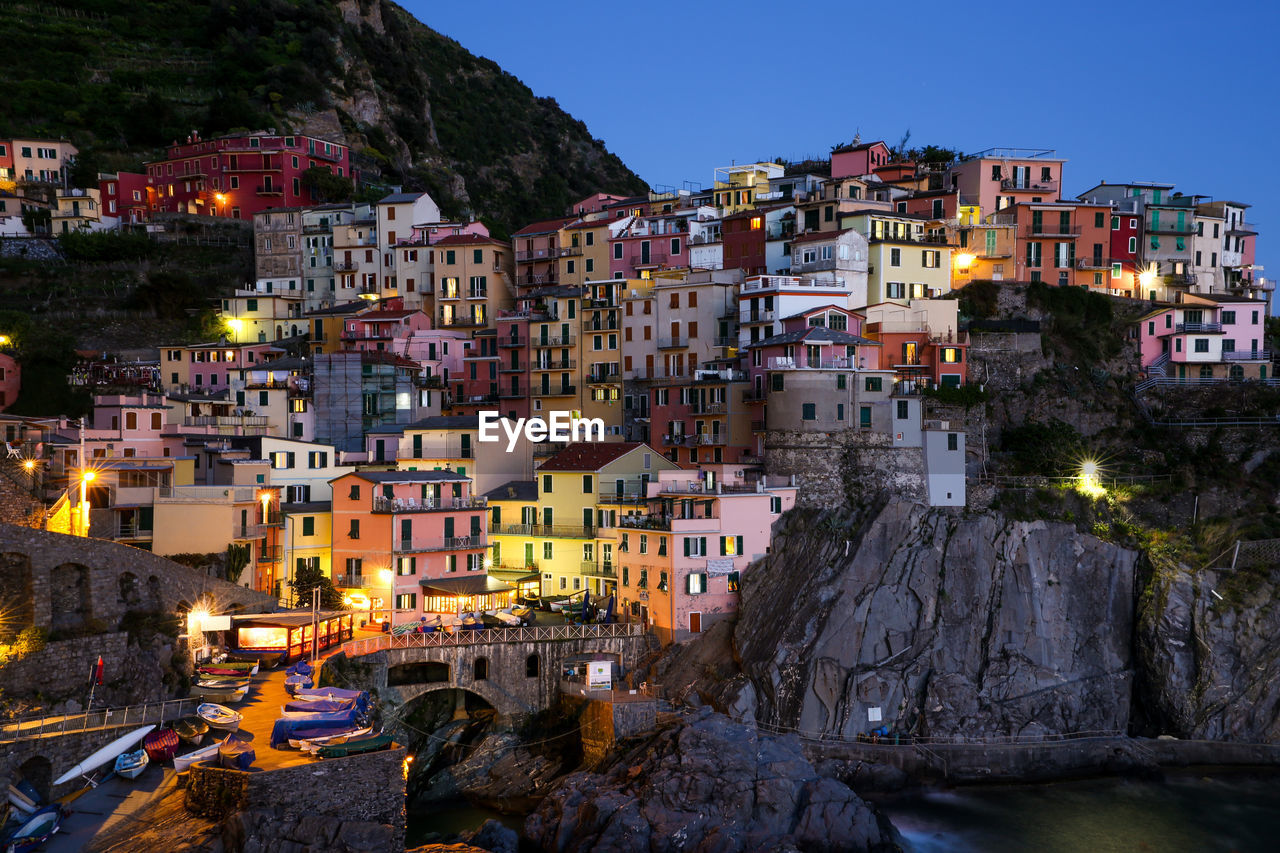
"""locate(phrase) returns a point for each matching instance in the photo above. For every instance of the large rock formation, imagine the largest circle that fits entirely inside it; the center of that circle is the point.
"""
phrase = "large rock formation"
(948, 623)
(1209, 664)
(708, 784)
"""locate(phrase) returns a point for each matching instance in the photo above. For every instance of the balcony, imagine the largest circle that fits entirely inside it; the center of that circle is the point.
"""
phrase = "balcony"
(226, 421)
(604, 375)
(382, 504)
(477, 294)
(598, 570)
(462, 322)
(597, 326)
(345, 266)
(535, 255)
(270, 189)
(567, 251)
(757, 426)
(723, 343)
(248, 531)
(709, 409)
(550, 531)
(538, 279)
(662, 522)
(708, 439)
(127, 530)
(1180, 279)
(1186, 229)
(673, 440)
(555, 341)
(1247, 355)
(609, 302)
(1197, 327)
(516, 392)
(1093, 263)
(1048, 229)
(1028, 185)
(355, 581)
(673, 343)
(761, 317)
(552, 391)
(548, 448)
(447, 543)
(271, 554)
(511, 341)
(645, 261)
(506, 367)
(784, 363)
(562, 364)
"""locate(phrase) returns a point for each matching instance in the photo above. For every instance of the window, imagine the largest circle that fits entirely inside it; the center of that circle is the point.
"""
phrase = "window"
(775, 382)
(1228, 317)
(953, 441)
(354, 532)
(354, 494)
(697, 583)
(675, 245)
(1202, 344)
(903, 410)
(874, 383)
(930, 258)
(895, 290)
(842, 382)
(731, 546)
(546, 484)
(895, 257)
(809, 412)
(548, 551)
(950, 355)
(308, 525)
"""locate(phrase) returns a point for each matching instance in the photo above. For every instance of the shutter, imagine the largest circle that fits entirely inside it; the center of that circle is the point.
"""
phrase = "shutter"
(739, 546)
(722, 544)
(702, 546)
(687, 551)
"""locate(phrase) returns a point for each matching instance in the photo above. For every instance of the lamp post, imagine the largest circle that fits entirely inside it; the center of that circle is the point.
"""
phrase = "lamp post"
(388, 577)
(86, 477)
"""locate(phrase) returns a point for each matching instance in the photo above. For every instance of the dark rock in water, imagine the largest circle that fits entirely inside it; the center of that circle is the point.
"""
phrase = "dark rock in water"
(261, 830)
(708, 784)
(499, 769)
(495, 837)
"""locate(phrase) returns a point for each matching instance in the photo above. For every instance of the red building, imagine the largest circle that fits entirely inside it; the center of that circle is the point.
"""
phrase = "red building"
(124, 196)
(238, 176)
(744, 238)
(1126, 243)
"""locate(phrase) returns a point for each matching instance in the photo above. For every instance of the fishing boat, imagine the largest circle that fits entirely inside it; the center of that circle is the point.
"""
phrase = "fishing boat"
(472, 622)
(161, 745)
(219, 716)
(236, 753)
(506, 617)
(34, 830)
(204, 753)
(526, 615)
(317, 706)
(265, 660)
(232, 667)
(294, 683)
(131, 764)
(191, 729)
(20, 801)
(223, 697)
(300, 668)
(222, 683)
(311, 744)
(356, 746)
(306, 726)
(102, 756)
(558, 605)
(319, 694)
(531, 599)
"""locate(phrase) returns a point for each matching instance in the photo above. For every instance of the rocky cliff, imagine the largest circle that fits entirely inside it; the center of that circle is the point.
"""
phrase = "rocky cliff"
(945, 622)
(707, 784)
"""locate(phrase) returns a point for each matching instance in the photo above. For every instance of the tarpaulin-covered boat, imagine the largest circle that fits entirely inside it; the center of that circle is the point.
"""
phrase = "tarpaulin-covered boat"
(290, 726)
(161, 745)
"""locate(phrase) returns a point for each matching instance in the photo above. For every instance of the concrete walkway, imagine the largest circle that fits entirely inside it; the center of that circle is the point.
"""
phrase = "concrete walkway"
(112, 803)
(260, 709)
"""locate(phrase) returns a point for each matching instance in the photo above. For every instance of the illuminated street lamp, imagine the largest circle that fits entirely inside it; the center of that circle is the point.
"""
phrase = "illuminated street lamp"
(86, 477)
(1147, 277)
(389, 579)
(964, 260)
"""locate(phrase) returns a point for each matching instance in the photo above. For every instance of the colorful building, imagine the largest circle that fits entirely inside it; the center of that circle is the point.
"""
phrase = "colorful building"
(1207, 337)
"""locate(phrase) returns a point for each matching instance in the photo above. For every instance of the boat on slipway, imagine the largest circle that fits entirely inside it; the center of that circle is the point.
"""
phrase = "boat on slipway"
(108, 753)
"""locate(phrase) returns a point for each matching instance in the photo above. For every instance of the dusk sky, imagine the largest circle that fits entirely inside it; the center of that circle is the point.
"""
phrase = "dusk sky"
(1178, 92)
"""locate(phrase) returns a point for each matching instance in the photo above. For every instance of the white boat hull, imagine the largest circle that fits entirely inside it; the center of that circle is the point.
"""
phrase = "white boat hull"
(136, 770)
(312, 744)
(228, 722)
(20, 801)
(182, 762)
(110, 752)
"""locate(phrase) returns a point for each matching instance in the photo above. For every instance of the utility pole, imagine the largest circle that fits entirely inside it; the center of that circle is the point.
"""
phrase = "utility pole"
(315, 623)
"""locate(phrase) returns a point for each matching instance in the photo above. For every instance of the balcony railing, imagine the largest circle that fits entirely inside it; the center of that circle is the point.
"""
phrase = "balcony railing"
(345, 266)
(553, 391)
(706, 439)
(709, 409)
(722, 342)
(672, 343)
(552, 531)
(555, 341)
(598, 570)
(345, 581)
(382, 504)
(512, 341)
(785, 363)
(1027, 185)
(1093, 263)
(1198, 327)
(269, 554)
(132, 531)
(607, 374)
(507, 367)
(661, 522)
(761, 317)
(562, 364)
(269, 189)
(1051, 229)
(1184, 230)
(1247, 355)
(673, 439)
(537, 279)
(508, 392)
(248, 531)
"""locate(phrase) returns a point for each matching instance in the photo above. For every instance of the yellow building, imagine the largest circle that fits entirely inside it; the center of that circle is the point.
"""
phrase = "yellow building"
(77, 210)
(905, 262)
(474, 277)
(252, 316)
(584, 248)
(563, 524)
(984, 250)
(308, 539)
(736, 187)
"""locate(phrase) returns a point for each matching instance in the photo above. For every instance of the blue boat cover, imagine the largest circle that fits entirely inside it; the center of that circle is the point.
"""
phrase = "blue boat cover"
(235, 753)
(287, 727)
(300, 668)
(318, 706)
(361, 696)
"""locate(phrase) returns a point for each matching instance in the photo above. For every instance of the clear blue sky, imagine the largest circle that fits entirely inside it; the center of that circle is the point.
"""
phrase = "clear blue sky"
(1182, 92)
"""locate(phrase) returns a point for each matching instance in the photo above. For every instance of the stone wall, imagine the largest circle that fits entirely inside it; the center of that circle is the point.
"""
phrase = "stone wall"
(359, 791)
(64, 664)
(839, 468)
(73, 582)
(41, 760)
(603, 721)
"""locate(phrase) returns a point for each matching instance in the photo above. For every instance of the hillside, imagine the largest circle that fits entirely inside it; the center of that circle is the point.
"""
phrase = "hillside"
(123, 79)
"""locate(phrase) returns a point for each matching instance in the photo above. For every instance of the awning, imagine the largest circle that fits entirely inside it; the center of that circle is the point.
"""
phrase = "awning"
(474, 585)
(516, 576)
(288, 620)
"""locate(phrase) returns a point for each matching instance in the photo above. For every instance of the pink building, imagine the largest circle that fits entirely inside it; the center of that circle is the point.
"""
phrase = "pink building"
(851, 161)
(378, 330)
(597, 202)
(649, 243)
(417, 526)
(1001, 177)
(681, 563)
(435, 232)
(124, 196)
(1206, 337)
(238, 176)
(10, 380)
(209, 367)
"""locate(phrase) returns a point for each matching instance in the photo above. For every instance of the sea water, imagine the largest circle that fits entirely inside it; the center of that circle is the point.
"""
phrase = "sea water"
(1184, 813)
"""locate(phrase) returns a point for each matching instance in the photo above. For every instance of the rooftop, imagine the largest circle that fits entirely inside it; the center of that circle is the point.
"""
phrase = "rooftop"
(589, 456)
(514, 490)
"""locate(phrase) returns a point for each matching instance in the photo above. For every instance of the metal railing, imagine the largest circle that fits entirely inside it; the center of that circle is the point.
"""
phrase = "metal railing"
(554, 341)
(29, 728)
(1198, 327)
(487, 636)
(385, 504)
(563, 531)
(1247, 355)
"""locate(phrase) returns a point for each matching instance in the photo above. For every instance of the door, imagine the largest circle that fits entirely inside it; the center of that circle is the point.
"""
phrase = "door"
(644, 251)
(406, 532)
(695, 623)
(528, 555)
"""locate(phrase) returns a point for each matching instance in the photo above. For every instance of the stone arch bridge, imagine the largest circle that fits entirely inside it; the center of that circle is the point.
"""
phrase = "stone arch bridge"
(516, 670)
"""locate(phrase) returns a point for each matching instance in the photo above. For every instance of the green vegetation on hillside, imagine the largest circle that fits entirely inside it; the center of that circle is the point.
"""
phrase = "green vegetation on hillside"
(124, 79)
